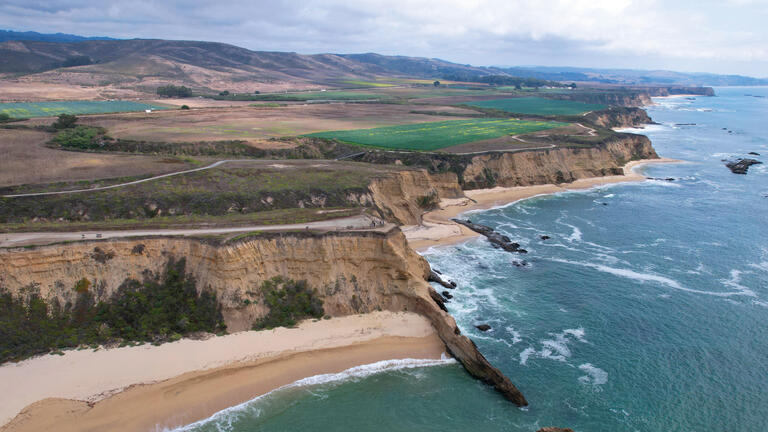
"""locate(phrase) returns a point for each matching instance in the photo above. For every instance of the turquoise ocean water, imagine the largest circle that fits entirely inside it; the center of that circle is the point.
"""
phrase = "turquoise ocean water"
(649, 313)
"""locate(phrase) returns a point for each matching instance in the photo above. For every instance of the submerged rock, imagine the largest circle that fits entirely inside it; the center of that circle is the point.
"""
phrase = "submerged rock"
(554, 429)
(483, 327)
(754, 153)
(496, 239)
(544, 237)
(521, 263)
(741, 166)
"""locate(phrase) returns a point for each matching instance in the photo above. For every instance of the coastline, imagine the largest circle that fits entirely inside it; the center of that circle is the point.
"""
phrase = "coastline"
(163, 387)
(437, 229)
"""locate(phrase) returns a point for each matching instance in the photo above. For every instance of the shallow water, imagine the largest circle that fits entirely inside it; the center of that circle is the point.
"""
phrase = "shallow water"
(645, 314)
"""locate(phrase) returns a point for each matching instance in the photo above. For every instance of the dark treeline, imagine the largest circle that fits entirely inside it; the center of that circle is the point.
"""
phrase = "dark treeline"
(160, 308)
(505, 80)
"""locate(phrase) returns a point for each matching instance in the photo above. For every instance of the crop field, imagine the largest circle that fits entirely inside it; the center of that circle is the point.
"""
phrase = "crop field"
(48, 109)
(437, 135)
(538, 106)
(319, 95)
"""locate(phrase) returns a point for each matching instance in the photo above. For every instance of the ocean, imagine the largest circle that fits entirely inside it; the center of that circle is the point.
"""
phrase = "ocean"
(645, 310)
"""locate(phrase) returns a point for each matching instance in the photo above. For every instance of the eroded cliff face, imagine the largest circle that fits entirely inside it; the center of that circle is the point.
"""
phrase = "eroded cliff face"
(559, 165)
(354, 272)
(402, 196)
(619, 117)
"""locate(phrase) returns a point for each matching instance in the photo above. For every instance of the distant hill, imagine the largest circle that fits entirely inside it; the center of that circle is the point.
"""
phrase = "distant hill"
(144, 64)
(631, 76)
(10, 35)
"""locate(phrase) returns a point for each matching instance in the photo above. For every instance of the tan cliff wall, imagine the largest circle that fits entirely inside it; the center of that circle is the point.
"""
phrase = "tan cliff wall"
(558, 165)
(619, 117)
(396, 196)
(354, 272)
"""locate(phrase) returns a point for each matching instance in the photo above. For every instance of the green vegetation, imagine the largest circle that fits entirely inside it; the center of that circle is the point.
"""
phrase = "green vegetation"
(4, 117)
(171, 90)
(357, 83)
(161, 308)
(49, 109)
(184, 107)
(65, 121)
(289, 302)
(437, 135)
(212, 192)
(538, 106)
(80, 137)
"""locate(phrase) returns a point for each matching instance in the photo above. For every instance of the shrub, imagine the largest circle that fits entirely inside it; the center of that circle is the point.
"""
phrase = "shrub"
(79, 137)
(224, 93)
(427, 202)
(81, 287)
(65, 121)
(4, 117)
(288, 301)
(185, 107)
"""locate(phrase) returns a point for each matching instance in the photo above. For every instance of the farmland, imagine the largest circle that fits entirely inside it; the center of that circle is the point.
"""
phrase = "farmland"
(437, 135)
(317, 95)
(48, 109)
(538, 106)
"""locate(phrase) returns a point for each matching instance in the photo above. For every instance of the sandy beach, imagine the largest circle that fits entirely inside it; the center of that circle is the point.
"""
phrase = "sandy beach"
(437, 229)
(161, 387)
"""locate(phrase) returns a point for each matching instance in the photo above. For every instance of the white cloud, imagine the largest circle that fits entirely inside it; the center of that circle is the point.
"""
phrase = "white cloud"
(652, 32)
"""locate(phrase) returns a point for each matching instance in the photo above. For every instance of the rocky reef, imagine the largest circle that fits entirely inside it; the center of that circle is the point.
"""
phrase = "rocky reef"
(741, 166)
(497, 240)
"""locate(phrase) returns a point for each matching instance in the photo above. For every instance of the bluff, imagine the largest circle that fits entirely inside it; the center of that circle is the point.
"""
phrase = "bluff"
(619, 117)
(353, 272)
(403, 196)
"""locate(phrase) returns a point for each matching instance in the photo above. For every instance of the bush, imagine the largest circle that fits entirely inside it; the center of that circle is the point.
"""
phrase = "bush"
(288, 301)
(162, 308)
(65, 121)
(185, 107)
(4, 117)
(79, 137)
(224, 93)
(174, 91)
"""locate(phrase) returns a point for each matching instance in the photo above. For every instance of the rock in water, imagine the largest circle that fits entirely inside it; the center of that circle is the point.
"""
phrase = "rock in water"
(544, 237)
(554, 429)
(741, 166)
(447, 295)
(754, 153)
(483, 327)
(496, 239)
(435, 277)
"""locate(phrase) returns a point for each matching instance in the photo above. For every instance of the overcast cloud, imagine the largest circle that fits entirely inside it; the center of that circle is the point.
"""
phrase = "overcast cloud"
(727, 36)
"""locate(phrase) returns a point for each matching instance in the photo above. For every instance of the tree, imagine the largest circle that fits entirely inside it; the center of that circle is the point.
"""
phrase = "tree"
(65, 121)
(224, 93)
(256, 92)
(436, 83)
(4, 117)
(171, 90)
(185, 107)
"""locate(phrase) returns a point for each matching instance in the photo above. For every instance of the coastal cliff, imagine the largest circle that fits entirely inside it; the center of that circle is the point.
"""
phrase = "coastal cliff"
(403, 197)
(353, 272)
(619, 117)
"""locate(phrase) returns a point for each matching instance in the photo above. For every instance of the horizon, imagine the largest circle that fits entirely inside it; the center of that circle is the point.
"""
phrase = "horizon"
(602, 35)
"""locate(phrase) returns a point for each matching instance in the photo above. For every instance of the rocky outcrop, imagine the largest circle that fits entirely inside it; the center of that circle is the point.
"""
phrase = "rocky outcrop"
(496, 239)
(741, 166)
(615, 98)
(619, 117)
(354, 272)
(557, 165)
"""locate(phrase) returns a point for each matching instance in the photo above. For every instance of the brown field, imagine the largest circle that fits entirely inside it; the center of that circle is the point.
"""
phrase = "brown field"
(256, 124)
(25, 159)
(22, 90)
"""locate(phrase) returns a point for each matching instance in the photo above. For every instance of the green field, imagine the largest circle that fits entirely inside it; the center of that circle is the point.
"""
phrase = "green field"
(437, 135)
(538, 106)
(48, 109)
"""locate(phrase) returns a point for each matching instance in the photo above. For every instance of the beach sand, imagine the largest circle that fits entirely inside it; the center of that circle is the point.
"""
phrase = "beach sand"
(156, 387)
(437, 229)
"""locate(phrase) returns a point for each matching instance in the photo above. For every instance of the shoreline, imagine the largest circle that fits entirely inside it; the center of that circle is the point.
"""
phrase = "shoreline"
(175, 384)
(437, 229)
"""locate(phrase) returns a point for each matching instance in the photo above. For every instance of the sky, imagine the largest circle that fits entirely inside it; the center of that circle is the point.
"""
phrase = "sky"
(727, 36)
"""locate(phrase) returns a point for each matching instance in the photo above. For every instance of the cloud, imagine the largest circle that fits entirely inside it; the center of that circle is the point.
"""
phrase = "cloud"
(636, 32)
